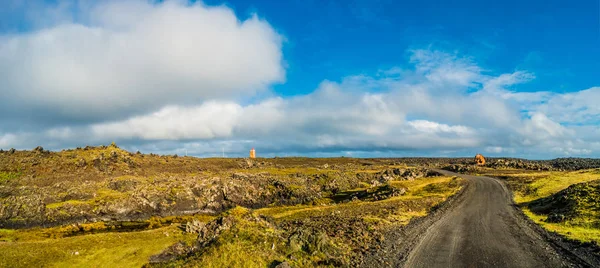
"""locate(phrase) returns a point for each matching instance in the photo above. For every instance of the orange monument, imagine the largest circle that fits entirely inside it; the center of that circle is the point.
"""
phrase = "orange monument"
(479, 160)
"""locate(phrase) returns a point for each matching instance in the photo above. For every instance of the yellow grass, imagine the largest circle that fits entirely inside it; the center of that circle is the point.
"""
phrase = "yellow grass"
(549, 183)
(413, 192)
(544, 184)
(580, 233)
(95, 250)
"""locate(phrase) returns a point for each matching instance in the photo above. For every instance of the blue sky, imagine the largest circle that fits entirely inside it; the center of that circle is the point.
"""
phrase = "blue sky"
(559, 40)
(318, 78)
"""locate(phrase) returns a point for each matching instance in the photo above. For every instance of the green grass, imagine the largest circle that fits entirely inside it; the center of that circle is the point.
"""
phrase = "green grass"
(102, 196)
(257, 244)
(250, 242)
(8, 176)
(415, 191)
(531, 187)
(94, 250)
(68, 202)
(235, 253)
(549, 183)
(584, 234)
(93, 178)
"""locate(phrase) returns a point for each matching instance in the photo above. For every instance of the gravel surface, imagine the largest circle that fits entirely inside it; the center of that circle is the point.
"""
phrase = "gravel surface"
(480, 227)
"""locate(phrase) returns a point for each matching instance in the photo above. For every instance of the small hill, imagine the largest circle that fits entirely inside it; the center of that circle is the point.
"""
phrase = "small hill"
(579, 204)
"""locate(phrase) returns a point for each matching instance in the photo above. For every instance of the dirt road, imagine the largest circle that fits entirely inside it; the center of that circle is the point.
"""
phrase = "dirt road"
(483, 229)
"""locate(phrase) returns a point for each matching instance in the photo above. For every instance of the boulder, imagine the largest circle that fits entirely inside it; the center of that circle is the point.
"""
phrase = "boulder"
(194, 226)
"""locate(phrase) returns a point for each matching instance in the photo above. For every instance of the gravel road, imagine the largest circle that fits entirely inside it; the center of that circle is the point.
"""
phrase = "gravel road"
(484, 229)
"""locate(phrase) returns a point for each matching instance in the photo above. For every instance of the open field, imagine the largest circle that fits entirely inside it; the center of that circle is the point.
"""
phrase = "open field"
(103, 206)
(114, 249)
(100, 206)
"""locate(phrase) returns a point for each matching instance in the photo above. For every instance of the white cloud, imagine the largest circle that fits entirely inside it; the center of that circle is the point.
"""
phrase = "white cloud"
(135, 57)
(433, 127)
(443, 104)
(8, 140)
(580, 107)
(341, 116)
(445, 69)
(540, 126)
(571, 151)
(210, 120)
(499, 83)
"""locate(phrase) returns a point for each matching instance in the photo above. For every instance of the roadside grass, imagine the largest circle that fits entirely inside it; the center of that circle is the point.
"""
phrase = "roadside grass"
(541, 195)
(580, 233)
(114, 249)
(84, 179)
(254, 244)
(548, 183)
(428, 190)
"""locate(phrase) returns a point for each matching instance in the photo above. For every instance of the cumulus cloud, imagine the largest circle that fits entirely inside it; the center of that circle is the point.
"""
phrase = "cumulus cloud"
(433, 127)
(337, 115)
(210, 120)
(580, 107)
(347, 116)
(133, 57)
(187, 78)
(541, 127)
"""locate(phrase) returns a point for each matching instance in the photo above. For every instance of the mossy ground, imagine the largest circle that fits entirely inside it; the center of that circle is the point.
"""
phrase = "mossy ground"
(131, 249)
(437, 188)
(572, 231)
(37, 234)
(336, 207)
(56, 188)
(250, 244)
(352, 226)
(536, 192)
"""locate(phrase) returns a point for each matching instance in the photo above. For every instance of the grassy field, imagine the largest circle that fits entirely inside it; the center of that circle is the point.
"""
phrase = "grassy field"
(416, 190)
(117, 249)
(573, 231)
(337, 230)
(567, 203)
(251, 242)
(305, 211)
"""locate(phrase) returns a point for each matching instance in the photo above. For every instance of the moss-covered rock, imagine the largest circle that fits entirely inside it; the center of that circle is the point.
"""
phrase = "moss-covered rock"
(579, 203)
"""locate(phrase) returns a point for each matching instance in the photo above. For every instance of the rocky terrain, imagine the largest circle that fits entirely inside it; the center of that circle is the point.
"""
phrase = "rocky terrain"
(278, 212)
(576, 203)
(559, 164)
(338, 234)
(297, 211)
(41, 188)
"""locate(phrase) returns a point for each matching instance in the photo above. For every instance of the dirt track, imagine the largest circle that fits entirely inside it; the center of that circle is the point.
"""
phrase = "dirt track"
(484, 229)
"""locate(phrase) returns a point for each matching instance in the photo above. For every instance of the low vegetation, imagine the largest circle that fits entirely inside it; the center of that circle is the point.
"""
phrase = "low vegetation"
(99, 206)
(114, 249)
(567, 203)
(334, 231)
(106, 183)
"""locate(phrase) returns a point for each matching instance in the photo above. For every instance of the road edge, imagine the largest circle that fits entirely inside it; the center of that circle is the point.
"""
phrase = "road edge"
(400, 240)
(569, 248)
